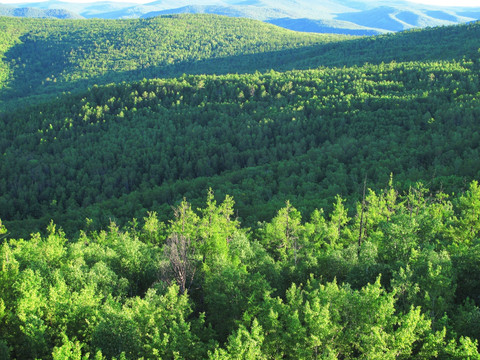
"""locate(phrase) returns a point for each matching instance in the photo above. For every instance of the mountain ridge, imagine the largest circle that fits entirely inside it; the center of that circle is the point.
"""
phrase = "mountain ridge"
(327, 16)
(32, 12)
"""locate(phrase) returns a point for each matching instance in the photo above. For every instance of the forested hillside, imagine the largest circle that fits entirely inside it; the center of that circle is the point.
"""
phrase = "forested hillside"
(43, 58)
(342, 212)
(304, 135)
(48, 57)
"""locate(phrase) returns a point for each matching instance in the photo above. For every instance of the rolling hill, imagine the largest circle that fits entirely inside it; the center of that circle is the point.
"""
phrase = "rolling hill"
(333, 16)
(246, 11)
(64, 57)
(50, 57)
(325, 26)
(354, 226)
(30, 12)
(170, 138)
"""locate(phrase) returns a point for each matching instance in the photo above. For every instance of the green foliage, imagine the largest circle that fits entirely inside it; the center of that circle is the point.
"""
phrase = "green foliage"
(216, 229)
(299, 268)
(467, 267)
(153, 229)
(331, 321)
(106, 295)
(69, 350)
(244, 345)
(468, 226)
(153, 327)
(282, 234)
(41, 58)
(230, 294)
(118, 151)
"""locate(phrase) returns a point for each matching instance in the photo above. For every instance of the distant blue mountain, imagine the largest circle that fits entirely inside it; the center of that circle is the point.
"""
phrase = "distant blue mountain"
(247, 11)
(31, 12)
(398, 19)
(86, 10)
(131, 12)
(443, 15)
(358, 17)
(325, 26)
(475, 14)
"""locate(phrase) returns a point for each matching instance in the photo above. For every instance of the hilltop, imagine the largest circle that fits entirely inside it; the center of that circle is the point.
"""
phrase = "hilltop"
(335, 16)
(41, 57)
(44, 58)
(38, 13)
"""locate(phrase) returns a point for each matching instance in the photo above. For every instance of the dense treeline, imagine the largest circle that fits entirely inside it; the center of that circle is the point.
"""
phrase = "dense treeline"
(51, 56)
(269, 137)
(48, 57)
(398, 279)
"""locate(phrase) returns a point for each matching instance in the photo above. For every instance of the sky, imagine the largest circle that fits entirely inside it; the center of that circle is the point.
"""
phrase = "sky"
(474, 3)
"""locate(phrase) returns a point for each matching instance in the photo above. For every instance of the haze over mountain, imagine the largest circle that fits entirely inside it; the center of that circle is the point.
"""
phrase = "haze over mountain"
(363, 17)
(31, 12)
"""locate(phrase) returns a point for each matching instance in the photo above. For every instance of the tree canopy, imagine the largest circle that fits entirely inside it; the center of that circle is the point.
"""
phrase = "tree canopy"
(299, 287)
(341, 219)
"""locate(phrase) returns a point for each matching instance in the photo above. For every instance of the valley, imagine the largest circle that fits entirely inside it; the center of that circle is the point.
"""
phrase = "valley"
(196, 186)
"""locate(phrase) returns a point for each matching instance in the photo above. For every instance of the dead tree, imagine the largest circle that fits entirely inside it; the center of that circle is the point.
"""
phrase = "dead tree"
(181, 265)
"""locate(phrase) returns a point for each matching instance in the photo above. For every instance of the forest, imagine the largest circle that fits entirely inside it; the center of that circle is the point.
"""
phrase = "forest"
(199, 187)
(41, 58)
(118, 151)
(399, 279)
